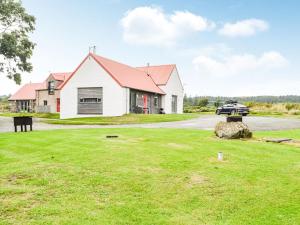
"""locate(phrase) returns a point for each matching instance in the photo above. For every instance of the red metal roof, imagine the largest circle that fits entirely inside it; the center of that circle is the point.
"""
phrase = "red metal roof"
(124, 75)
(128, 76)
(160, 74)
(61, 77)
(27, 91)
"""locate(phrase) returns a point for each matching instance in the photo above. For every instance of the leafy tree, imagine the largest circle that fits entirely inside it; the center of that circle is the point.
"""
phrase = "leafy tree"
(15, 46)
(186, 100)
(203, 102)
(217, 103)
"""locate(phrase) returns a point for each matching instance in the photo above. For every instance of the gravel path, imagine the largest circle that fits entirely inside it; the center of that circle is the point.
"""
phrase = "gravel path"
(203, 123)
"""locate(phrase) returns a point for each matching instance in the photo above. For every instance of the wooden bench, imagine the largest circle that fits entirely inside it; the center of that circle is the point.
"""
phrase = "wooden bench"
(22, 121)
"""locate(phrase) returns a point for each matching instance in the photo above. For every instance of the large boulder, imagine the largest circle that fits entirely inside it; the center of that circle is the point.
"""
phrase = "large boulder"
(232, 130)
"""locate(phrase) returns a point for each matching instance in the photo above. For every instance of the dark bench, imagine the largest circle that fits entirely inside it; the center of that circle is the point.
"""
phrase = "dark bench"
(23, 121)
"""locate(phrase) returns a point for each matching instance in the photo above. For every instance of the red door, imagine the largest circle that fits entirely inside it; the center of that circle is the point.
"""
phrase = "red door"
(145, 97)
(58, 105)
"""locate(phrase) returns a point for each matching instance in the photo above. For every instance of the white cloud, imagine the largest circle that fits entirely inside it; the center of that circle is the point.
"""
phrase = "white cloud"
(246, 64)
(244, 28)
(150, 25)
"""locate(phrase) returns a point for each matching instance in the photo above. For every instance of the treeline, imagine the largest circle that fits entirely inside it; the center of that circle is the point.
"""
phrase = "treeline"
(4, 98)
(198, 100)
(4, 106)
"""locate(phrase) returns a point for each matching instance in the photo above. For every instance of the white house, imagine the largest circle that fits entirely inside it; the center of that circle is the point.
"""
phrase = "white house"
(100, 86)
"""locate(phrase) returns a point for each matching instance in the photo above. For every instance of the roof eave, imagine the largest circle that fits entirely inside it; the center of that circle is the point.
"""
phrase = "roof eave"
(21, 99)
(154, 92)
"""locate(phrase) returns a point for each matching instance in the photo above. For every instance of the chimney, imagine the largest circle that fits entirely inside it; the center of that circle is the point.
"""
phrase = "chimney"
(93, 48)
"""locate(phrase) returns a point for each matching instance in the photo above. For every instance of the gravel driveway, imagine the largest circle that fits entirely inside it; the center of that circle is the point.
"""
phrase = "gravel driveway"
(203, 123)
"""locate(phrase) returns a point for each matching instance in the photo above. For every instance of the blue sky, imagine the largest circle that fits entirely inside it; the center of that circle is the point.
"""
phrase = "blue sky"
(231, 48)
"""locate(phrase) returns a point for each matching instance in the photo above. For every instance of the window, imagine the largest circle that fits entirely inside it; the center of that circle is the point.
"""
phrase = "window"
(174, 103)
(140, 100)
(51, 86)
(155, 101)
(24, 106)
(45, 102)
(90, 100)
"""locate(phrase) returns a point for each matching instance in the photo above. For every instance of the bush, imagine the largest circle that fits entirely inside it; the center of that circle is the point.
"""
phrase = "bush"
(197, 109)
(4, 107)
(249, 104)
(291, 106)
(217, 103)
(203, 102)
(204, 109)
(187, 110)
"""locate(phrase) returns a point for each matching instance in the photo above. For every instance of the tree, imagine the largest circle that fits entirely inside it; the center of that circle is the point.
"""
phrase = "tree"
(217, 103)
(185, 100)
(203, 102)
(15, 46)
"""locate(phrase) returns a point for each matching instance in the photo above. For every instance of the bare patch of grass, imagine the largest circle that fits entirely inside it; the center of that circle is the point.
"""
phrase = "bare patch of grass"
(196, 180)
(16, 178)
(178, 146)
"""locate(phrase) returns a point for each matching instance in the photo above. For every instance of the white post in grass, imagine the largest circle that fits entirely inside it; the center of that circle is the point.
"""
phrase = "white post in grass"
(220, 156)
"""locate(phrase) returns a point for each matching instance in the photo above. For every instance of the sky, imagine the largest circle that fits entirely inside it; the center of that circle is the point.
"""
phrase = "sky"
(221, 48)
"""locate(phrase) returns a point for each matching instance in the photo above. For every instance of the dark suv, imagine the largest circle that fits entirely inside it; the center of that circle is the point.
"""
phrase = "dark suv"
(233, 107)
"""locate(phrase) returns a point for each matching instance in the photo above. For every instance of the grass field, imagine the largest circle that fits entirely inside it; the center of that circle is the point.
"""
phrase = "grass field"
(147, 176)
(126, 119)
(275, 109)
(36, 115)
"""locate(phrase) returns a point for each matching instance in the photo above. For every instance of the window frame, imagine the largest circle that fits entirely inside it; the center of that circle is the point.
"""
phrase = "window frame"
(51, 87)
(87, 100)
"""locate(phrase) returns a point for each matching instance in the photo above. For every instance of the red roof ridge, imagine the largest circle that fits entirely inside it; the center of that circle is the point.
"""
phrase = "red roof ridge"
(134, 68)
(156, 65)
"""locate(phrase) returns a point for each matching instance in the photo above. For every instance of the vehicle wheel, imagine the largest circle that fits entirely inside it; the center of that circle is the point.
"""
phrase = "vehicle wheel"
(232, 112)
(218, 112)
(244, 114)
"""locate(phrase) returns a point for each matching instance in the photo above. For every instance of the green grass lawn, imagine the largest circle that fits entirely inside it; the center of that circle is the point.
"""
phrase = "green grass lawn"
(147, 176)
(36, 115)
(126, 119)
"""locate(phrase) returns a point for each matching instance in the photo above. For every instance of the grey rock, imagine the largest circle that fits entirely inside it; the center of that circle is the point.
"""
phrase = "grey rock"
(232, 130)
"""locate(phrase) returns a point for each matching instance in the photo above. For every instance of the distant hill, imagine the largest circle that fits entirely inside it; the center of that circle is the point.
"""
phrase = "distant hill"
(266, 99)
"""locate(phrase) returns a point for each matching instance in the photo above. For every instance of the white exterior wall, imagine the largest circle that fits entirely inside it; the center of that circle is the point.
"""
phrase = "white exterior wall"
(91, 74)
(173, 87)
